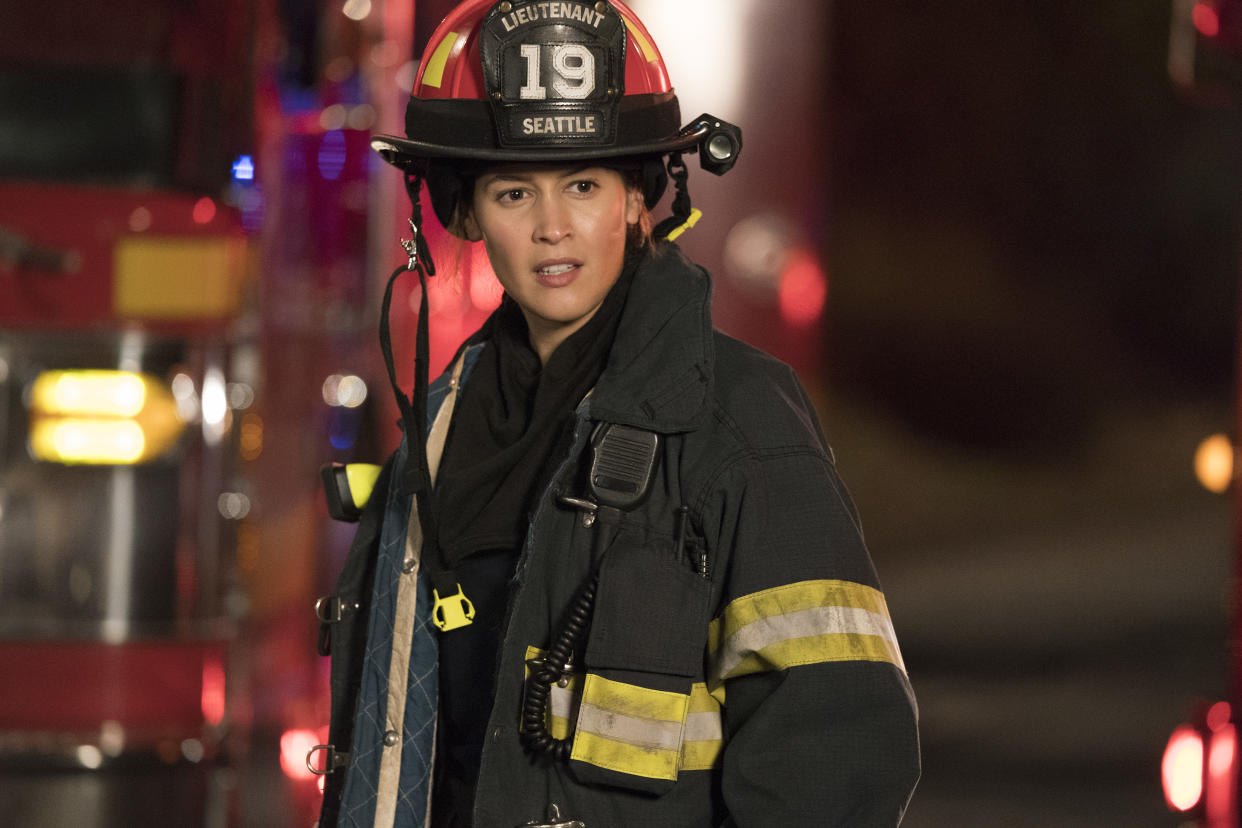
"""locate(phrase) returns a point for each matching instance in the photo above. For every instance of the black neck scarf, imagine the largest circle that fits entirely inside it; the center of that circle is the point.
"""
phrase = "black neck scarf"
(511, 418)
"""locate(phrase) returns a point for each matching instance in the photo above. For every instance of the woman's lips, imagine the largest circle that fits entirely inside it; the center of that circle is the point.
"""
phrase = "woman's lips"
(555, 274)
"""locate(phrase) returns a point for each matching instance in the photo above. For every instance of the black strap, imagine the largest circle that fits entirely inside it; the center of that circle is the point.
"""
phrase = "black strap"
(681, 197)
(415, 476)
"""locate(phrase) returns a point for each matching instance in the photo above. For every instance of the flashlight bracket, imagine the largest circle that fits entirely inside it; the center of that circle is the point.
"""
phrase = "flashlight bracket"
(721, 143)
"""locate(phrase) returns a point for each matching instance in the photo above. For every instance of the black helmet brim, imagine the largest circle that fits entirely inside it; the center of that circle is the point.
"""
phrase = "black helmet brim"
(404, 152)
(463, 130)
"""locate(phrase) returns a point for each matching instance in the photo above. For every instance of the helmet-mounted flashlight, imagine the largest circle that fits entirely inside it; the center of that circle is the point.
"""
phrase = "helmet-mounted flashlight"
(719, 148)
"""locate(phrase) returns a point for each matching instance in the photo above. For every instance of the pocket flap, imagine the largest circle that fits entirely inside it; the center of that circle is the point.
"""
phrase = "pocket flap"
(650, 612)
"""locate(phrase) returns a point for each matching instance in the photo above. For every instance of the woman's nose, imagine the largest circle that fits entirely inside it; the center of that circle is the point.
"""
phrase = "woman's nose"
(551, 221)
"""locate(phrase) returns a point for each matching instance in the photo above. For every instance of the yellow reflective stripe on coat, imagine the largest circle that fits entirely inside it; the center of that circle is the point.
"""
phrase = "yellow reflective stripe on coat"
(702, 739)
(630, 729)
(804, 623)
(703, 733)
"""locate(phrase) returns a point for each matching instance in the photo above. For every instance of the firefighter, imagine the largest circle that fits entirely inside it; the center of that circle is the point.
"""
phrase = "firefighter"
(619, 582)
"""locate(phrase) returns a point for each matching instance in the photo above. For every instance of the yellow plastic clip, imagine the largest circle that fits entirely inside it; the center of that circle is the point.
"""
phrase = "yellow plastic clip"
(452, 612)
(361, 477)
(693, 219)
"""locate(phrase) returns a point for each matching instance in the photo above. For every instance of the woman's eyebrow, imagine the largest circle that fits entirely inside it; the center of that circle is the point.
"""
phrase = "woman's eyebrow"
(519, 177)
(504, 177)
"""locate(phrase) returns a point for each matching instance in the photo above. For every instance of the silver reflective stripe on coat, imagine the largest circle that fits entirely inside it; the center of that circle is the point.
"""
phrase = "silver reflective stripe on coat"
(807, 622)
(403, 622)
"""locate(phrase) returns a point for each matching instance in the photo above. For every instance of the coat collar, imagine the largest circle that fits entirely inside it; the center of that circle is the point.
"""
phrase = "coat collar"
(658, 375)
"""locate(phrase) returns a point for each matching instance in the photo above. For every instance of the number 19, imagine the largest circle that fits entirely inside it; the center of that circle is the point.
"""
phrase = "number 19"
(573, 64)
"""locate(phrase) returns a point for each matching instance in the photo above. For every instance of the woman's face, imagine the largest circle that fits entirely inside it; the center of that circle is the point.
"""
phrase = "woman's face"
(556, 240)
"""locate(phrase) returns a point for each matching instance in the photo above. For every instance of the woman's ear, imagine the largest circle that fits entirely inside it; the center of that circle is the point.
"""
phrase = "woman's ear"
(469, 227)
(634, 205)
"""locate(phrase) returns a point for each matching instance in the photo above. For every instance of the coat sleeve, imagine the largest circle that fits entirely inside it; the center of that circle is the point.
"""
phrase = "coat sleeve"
(820, 721)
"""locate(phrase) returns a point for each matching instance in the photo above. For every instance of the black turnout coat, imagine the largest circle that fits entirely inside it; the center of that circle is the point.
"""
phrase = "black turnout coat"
(740, 667)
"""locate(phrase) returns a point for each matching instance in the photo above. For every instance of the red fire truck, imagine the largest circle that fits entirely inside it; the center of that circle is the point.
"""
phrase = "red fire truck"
(124, 394)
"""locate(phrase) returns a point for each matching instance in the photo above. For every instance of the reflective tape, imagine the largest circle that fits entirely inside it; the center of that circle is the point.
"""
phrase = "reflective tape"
(433, 75)
(644, 45)
(630, 729)
(703, 727)
(704, 732)
(620, 723)
(563, 704)
(653, 734)
(804, 623)
(387, 786)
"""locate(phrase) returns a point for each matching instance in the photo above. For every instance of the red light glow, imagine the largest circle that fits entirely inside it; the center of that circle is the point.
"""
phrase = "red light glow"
(294, 745)
(1222, 756)
(1206, 20)
(803, 289)
(1182, 769)
(204, 210)
(1217, 716)
(213, 697)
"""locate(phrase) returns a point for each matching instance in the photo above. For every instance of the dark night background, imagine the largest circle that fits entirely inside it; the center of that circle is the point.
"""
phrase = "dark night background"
(1028, 174)
(1034, 264)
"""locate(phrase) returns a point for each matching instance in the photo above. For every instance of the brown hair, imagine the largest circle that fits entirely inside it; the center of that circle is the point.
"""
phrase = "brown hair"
(638, 234)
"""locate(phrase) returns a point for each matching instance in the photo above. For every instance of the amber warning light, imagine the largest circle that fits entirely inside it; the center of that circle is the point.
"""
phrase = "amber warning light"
(101, 417)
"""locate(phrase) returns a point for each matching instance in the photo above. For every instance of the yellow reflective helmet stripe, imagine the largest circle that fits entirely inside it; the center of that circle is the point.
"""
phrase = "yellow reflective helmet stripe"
(644, 45)
(433, 75)
(803, 623)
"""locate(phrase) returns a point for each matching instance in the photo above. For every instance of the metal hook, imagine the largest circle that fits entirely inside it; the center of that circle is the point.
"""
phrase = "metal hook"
(410, 246)
(554, 820)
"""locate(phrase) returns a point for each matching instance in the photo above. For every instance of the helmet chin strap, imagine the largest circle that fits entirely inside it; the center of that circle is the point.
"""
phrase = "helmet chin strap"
(415, 476)
(683, 214)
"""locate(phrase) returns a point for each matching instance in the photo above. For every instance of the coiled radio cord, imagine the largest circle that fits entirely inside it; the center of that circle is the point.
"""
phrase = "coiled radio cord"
(551, 669)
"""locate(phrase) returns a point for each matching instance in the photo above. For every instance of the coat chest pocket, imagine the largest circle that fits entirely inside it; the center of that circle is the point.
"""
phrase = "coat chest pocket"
(648, 632)
(650, 611)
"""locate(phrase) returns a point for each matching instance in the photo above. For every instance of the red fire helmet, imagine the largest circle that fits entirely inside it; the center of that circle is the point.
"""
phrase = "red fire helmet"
(530, 80)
